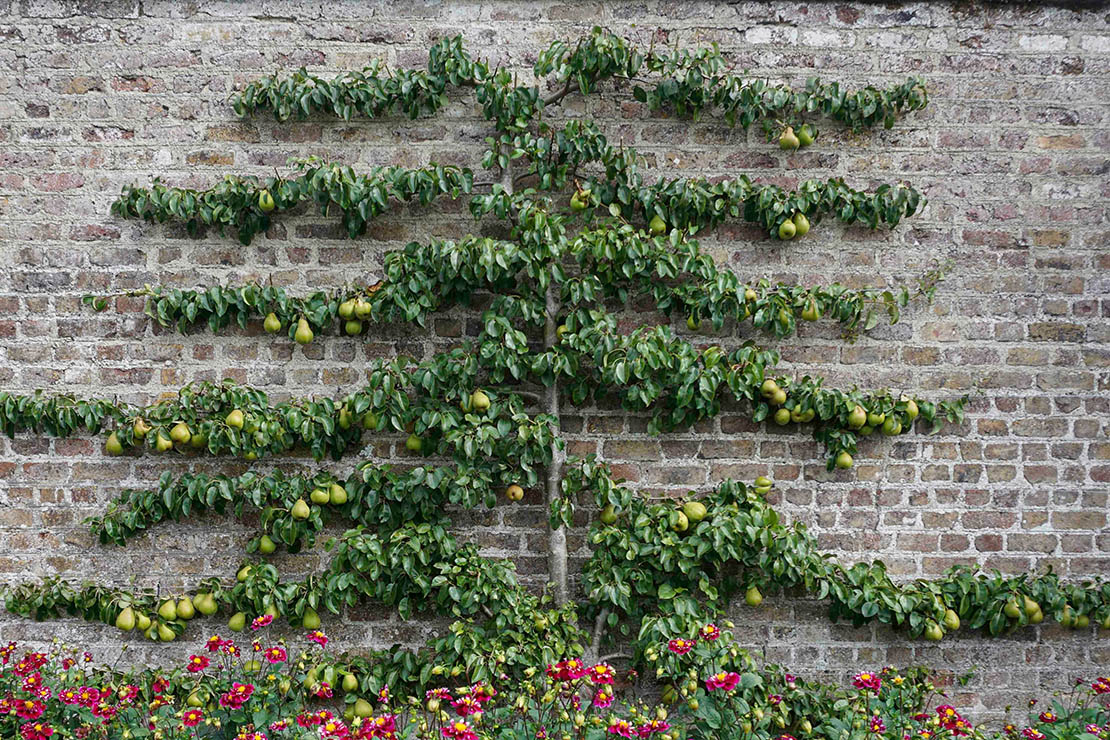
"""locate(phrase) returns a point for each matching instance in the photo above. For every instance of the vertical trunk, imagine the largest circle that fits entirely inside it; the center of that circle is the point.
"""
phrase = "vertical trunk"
(556, 538)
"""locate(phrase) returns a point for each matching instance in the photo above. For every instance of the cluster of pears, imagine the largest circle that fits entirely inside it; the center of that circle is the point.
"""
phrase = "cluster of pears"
(354, 311)
(179, 435)
(790, 141)
(170, 618)
(345, 679)
(794, 226)
(303, 335)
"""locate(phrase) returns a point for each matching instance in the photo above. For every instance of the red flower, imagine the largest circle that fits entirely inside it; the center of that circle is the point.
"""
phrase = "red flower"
(868, 681)
(192, 718)
(36, 731)
(680, 646)
(318, 637)
(260, 622)
(876, 725)
(1101, 685)
(160, 685)
(482, 693)
(603, 673)
(710, 632)
(459, 731)
(603, 698)
(1048, 717)
(621, 728)
(466, 705)
(29, 708)
(214, 643)
(323, 691)
(276, 654)
(567, 670)
(197, 663)
(655, 726)
(724, 681)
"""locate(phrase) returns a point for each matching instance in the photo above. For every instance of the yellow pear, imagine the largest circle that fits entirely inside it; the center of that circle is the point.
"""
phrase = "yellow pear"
(126, 619)
(300, 509)
(186, 609)
(168, 610)
(304, 334)
(337, 494)
(272, 324)
(180, 433)
(235, 419)
(113, 446)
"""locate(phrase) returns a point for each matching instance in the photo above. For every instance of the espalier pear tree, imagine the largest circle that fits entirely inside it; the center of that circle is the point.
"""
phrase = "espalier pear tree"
(582, 233)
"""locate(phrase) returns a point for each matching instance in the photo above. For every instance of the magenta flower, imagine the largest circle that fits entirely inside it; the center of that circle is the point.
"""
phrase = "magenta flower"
(723, 681)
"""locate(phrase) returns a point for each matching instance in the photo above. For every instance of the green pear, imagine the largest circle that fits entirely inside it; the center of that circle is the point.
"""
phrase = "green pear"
(811, 312)
(369, 420)
(142, 621)
(337, 494)
(198, 440)
(844, 460)
(363, 708)
(782, 417)
(347, 309)
(892, 427)
(206, 604)
(300, 509)
(310, 620)
(272, 611)
(165, 634)
(414, 443)
(912, 410)
(350, 683)
(126, 619)
(479, 401)
(692, 323)
(857, 418)
(769, 388)
(352, 328)
(788, 140)
(265, 201)
(235, 419)
(608, 515)
(1012, 610)
(681, 523)
(577, 202)
(140, 428)
(695, 511)
(779, 398)
(319, 496)
(951, 620)
(180, 433)
(806, 135)
(363, 309)
(243, 574)
(304, 334)
(346, 419)
(1031, 606)
(113, 446)
(266, 545)
(801, 224)
(237, 622)
(875, 420)
(186, 609)
(933, 632)
(657, 225)
(787, 230)
(196, 699)
(764, 482)
(752, 597)
(272, 324)
(168, 610)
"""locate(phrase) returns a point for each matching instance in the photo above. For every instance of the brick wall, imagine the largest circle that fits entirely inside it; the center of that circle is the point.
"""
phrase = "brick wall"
(1012, 154)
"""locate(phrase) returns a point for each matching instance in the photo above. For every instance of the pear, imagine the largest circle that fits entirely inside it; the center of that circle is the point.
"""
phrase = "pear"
(195, 700)
(788, 140)
(844, 460)
(1036, 617)
(350, 683)
(206, 604)
(1105, 622)
(608, 515)
(140, 428)
(235, 419)
(113, 446)
(933, 632)
(272, 611)
(764, 482)
(345, 418)
(875, 420)
(769, 388)
(578, 202)
(752, 597)
(806, 135)
(891, 427)
(779, 397)
(168, 610)
(272, 324)
(479, 401)
(1012, 610)
(1082, 622)
(951, 620)
(319, 496)
(186, 609)
(560, 331)
(911, 408)
(657, 225)
(695, 511)
(142, 621)
(682, 523)
(787, 230)
(126, 619)
(750, 295)
(237, 622)
(266, 545)
(180, 433)
(352, 328)
(857, 418)
(337, 494)
(347, 309)
(1031, 606)
(363, 708)
(165, 634)
(265, 201)
(414, 443)
(514, 492)
(369, 420)
(866, 431)
(692, 323)
(198, 440)
(801, 224)
(243, 574)
(304, 334)
(310, 620)
(782, 417)
(363, 309)
(300, 509)
(811, 312)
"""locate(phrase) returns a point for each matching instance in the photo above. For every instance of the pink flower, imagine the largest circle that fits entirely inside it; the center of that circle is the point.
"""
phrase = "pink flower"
(724, 681)
(710, 632)
(482, 693)
(1048, 717)
(466, 705)
(458, 731)
(192, 718)
(260, 622)
(1030, 734)
(29, 709)
(775, 699)
(603, 698)
(1101, 685)
(868, 681)
(875, 724)
(567, 670)
(36, 731)
(441, 693)
(197, 663)
(276, 654)
(603, 673)
(323, 690)
(655, 726)
(679, 646)
(318, 637)
(621, 728)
